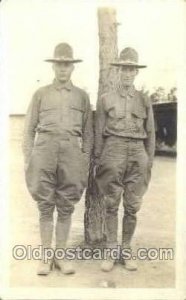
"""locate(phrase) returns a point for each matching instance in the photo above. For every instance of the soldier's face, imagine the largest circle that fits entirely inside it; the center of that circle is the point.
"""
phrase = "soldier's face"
(127, 75)
(63, 71)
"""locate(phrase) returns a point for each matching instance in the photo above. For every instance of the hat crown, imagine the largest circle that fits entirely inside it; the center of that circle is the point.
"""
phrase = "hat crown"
(63, 50)
(129, 54)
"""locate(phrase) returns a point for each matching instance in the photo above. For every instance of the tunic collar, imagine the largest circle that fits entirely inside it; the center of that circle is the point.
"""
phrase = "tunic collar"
(130, 92)
(58, 86)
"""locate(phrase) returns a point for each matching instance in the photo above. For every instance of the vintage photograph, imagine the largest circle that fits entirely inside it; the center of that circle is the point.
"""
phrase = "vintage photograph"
(92, 93)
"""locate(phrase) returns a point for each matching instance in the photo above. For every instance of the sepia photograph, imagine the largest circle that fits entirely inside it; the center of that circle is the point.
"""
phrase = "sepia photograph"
(93, 131)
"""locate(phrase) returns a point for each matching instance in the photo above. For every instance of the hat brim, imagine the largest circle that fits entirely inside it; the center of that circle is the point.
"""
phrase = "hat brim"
(118, 64)
(53, 60)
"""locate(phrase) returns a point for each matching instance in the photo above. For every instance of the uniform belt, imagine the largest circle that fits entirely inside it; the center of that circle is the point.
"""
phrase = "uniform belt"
(124, 139)
(61, 136)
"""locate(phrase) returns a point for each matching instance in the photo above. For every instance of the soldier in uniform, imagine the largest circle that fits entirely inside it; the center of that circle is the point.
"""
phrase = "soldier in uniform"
(57, 145)
(124, 150)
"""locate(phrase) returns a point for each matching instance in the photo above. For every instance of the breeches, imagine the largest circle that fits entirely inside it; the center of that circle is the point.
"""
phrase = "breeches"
(122, 169)
(56, 175)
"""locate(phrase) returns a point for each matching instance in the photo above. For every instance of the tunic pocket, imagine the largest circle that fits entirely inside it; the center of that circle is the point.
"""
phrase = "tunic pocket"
(139, 119)
(116, 113)
(77, 114)
(141, 114)
(48, 116)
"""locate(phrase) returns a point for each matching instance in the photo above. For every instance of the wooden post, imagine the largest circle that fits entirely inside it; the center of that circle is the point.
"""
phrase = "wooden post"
(108, 51)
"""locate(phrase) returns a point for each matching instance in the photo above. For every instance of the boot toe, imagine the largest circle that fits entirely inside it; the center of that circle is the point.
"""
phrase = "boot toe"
(130, 265)
(107, 265)
(44, 268)
(65, 266)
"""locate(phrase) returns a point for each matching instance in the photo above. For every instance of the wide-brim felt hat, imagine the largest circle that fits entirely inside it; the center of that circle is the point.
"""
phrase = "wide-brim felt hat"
(63, 53)
(128, 57)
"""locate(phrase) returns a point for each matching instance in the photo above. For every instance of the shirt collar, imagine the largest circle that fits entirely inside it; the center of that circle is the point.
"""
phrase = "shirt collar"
(130, 92)
(58, 86)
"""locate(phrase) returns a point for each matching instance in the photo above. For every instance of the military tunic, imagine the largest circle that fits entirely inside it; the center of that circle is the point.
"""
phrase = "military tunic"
(57, 143)
(124, 147)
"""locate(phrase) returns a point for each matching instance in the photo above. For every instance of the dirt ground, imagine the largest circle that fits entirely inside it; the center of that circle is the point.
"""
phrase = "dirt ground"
(156, 229)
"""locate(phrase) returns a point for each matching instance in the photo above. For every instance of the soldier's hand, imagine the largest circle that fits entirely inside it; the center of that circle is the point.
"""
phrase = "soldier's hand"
(148, 174)
(96, 165)
(26, 166)
(149, 165)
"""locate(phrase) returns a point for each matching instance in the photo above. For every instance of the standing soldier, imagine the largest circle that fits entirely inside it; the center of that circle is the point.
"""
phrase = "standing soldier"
(124, 150)
(57, 157)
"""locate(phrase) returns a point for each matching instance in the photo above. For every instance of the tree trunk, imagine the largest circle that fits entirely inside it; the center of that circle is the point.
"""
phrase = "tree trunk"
(94, 211)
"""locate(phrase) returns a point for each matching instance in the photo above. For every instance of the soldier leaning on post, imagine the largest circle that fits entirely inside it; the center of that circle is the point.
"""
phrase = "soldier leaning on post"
(56, 161)
(124, 150)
